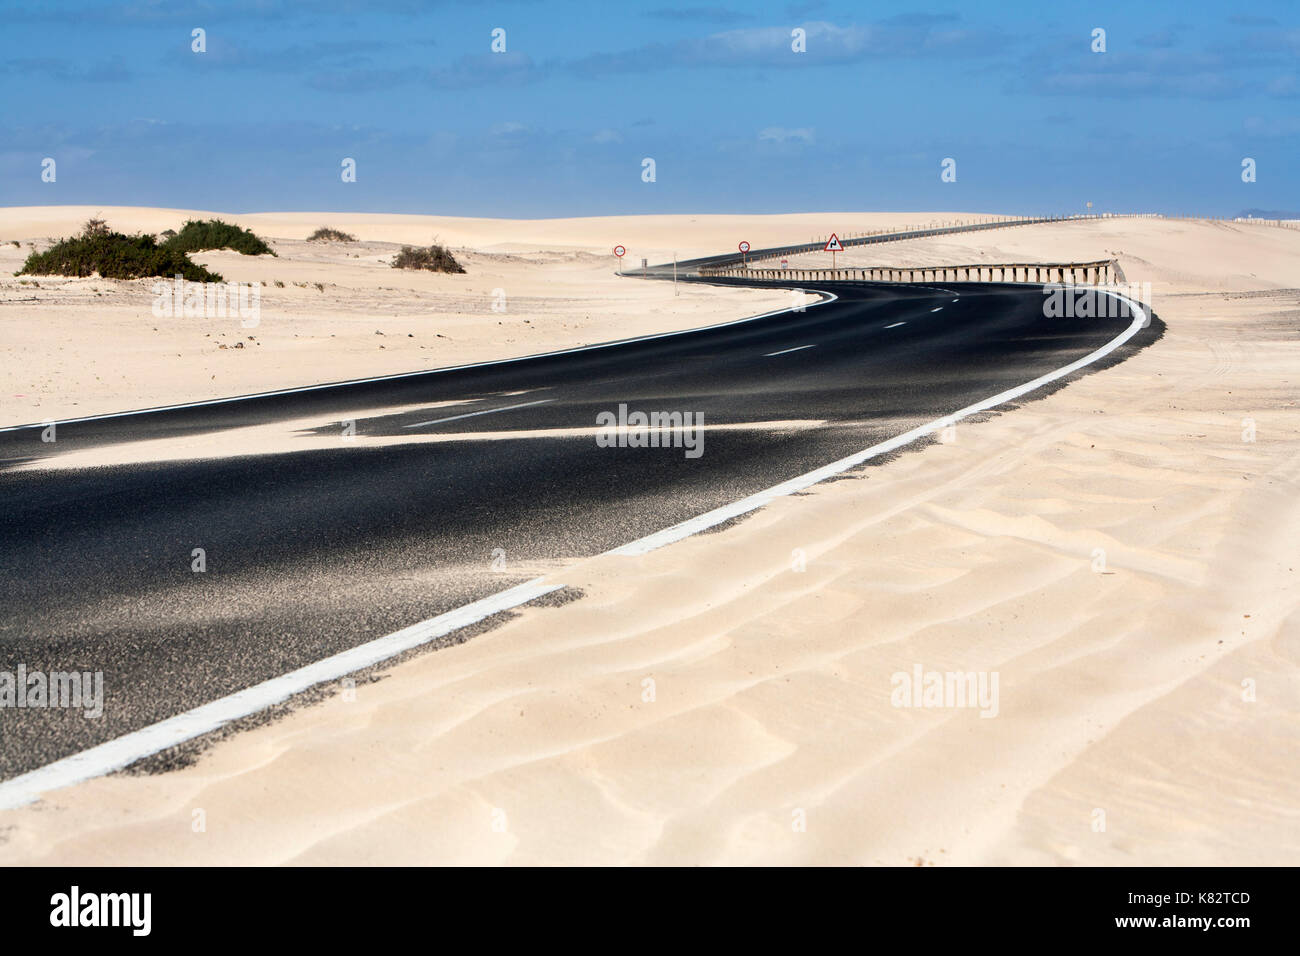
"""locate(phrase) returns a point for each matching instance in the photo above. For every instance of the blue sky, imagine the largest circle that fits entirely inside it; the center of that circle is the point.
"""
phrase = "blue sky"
(558, 125)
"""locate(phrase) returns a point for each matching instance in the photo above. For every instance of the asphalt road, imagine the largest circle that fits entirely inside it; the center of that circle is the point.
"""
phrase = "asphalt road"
(309, 552)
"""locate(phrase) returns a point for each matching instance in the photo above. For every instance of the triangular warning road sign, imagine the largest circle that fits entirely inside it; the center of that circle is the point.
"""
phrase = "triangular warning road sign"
(833, 244)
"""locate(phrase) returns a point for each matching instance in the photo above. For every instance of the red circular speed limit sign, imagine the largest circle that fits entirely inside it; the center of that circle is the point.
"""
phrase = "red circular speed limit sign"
(620, 251)
(744, 246)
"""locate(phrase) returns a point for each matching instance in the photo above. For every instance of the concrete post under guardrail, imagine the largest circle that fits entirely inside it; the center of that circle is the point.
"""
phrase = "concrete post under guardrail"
(1101, 272)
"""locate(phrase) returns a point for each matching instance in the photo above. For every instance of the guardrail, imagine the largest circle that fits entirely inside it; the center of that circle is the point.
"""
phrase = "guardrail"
(735, 264)
(1279, 223)
(1101, 272)
(871, 238)
(851, 239)
(733, 259)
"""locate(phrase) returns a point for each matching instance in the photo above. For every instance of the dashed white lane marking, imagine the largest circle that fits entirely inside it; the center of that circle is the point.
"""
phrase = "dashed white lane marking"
(797, 348)
(940, 309)
(125, 750)
(829, 298)
(149, 740)
(956, 300)
(895, 325)
(717, 516)
(486, 411)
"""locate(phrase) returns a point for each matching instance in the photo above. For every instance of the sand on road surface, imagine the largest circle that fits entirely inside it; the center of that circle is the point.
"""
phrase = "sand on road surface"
(1122, 554)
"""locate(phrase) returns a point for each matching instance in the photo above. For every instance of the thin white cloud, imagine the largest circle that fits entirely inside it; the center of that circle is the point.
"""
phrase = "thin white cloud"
(781, 134)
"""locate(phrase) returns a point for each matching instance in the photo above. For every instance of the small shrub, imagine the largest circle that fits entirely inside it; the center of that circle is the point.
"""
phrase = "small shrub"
(94, 227)
(198, 236)
(436, 258)
(114, 256)
(326, 234)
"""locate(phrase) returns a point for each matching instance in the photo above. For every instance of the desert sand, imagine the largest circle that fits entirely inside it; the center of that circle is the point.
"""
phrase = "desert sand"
(337, 311)
(1122, 553)
(1173, 255)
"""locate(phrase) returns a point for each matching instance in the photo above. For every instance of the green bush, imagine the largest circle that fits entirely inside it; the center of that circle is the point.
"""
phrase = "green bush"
(114, 256)
(94, 227)
(436, 259)
(198, 236)
(326, 234)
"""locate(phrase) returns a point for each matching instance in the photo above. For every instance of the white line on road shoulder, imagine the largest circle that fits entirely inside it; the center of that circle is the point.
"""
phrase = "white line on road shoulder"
(755, 501)
(126, 750)
(830, 297)
(486, 411)
(797, 348)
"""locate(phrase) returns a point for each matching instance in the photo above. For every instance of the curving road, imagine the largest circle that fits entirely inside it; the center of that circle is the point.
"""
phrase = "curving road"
(315, 543)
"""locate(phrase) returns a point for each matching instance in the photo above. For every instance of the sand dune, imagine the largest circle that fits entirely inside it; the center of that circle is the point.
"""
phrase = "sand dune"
(1149, 705)
(329, 311)
(1173, 255)
(656, 237)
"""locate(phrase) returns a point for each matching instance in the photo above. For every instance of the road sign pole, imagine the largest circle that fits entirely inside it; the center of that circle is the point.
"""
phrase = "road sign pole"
(833, 245)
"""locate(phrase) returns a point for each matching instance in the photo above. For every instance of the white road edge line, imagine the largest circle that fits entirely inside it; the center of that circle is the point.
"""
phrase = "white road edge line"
(127, 749)
(745, 505)
(895, 325)
(486, 411)
(830, 297)
(797, 348)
